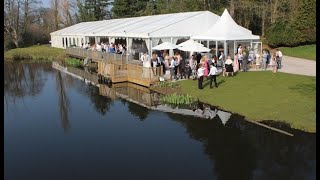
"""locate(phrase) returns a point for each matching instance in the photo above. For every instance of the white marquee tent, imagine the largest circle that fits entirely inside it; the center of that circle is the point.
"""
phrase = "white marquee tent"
(140, 34)
(226, 30)
(150, 29)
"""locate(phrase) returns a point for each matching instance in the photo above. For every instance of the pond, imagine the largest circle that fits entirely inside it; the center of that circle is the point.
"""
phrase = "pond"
(58, 126)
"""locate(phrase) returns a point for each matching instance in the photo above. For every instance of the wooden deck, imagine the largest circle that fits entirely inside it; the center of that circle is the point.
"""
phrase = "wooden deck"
(119, 68)
(131, 92)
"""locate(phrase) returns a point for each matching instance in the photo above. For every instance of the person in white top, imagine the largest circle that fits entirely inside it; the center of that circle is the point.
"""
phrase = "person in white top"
(98, 47)
(193, 66)
(258, 60)
(146, 64)
(200, 76)
(279, 58)
(240, 49)
(85, 46)
(145, 59)
(240, 58)
(102, 46)
(171, 67)
(213, 73)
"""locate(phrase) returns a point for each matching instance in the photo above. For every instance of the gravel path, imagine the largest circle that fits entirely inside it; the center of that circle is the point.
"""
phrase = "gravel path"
(295, 65)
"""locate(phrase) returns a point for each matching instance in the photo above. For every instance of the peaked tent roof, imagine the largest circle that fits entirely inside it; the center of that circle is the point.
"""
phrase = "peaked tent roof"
(226, 29)
(164, 25)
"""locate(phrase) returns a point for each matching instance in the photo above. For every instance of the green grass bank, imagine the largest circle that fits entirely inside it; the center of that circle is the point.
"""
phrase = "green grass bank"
(263, 96)
(306, 52)
(35, 53)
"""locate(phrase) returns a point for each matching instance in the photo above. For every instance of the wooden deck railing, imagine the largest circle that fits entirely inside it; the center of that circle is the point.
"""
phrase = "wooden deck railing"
(98, 55)
(118, 67)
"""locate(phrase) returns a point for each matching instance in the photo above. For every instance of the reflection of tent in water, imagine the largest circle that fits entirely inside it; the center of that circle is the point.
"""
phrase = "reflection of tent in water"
(224, 116)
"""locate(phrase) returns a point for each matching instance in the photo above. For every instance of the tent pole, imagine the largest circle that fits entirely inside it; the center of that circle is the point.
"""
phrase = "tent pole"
(151, 46)
(171, 50)
(150, 51)
(250, 44)
(234, 47)
(208, 47)
(216, 48)
(127, 45)
(225, 48)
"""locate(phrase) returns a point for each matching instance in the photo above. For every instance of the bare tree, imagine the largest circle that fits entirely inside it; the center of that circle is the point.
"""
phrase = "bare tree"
(30, 9)
(55, 7)
(64, 103)
(12, 20)
(232, 8)
(66, 19)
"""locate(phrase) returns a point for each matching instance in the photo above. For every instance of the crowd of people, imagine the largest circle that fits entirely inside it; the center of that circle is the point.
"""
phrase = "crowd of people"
(199, 66)
(106, 47)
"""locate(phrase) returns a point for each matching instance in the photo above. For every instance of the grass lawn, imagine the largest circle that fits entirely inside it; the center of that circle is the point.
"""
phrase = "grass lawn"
(263, 95)
(37, 52)
(306, 52)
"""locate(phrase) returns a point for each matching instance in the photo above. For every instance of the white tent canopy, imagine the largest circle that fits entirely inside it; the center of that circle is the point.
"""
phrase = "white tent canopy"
(164, 25)
(190, 41)
(226, 29)
(194, 47)
(164, 46)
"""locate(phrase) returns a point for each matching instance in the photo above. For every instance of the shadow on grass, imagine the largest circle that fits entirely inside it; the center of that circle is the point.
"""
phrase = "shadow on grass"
(207, 82)
(304, 89)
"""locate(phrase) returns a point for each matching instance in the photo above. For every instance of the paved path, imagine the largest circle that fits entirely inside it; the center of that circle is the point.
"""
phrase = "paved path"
(295, 65)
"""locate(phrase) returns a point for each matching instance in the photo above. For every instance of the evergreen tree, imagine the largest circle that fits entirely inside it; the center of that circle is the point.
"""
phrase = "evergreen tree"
(306, 21)
(83, 14)
(95, 9)
(129, 8)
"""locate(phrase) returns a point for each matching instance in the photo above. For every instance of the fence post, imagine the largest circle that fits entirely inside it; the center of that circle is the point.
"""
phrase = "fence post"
(150, 74)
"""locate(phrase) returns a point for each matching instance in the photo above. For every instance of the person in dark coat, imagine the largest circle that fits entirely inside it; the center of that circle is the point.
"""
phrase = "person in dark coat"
(182, 65)
(198, 58)
(244, 61)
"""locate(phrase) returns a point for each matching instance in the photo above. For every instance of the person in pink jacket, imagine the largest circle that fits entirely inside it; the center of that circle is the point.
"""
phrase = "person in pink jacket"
(235, 63)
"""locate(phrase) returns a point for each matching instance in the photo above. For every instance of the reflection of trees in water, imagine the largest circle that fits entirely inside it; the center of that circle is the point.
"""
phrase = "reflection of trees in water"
(138, 110)
(101, 103)
(64, 103)
(242, 150)
(135, 109)
(23, 79)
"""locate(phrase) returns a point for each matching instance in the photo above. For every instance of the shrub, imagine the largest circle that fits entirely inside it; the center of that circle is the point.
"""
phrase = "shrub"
(177, 99)
(168, 84)
(73, 62)
(9, 45)
(34, 53)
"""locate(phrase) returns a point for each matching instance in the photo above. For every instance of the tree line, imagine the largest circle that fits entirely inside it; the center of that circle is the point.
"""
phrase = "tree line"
(279, 22)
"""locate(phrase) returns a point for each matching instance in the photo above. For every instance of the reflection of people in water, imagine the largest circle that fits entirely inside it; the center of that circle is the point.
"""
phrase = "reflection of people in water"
(208, 113)
(155, 99)
(212, 113)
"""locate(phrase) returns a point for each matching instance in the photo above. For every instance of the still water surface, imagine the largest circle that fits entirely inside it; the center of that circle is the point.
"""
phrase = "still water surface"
(58, 127)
